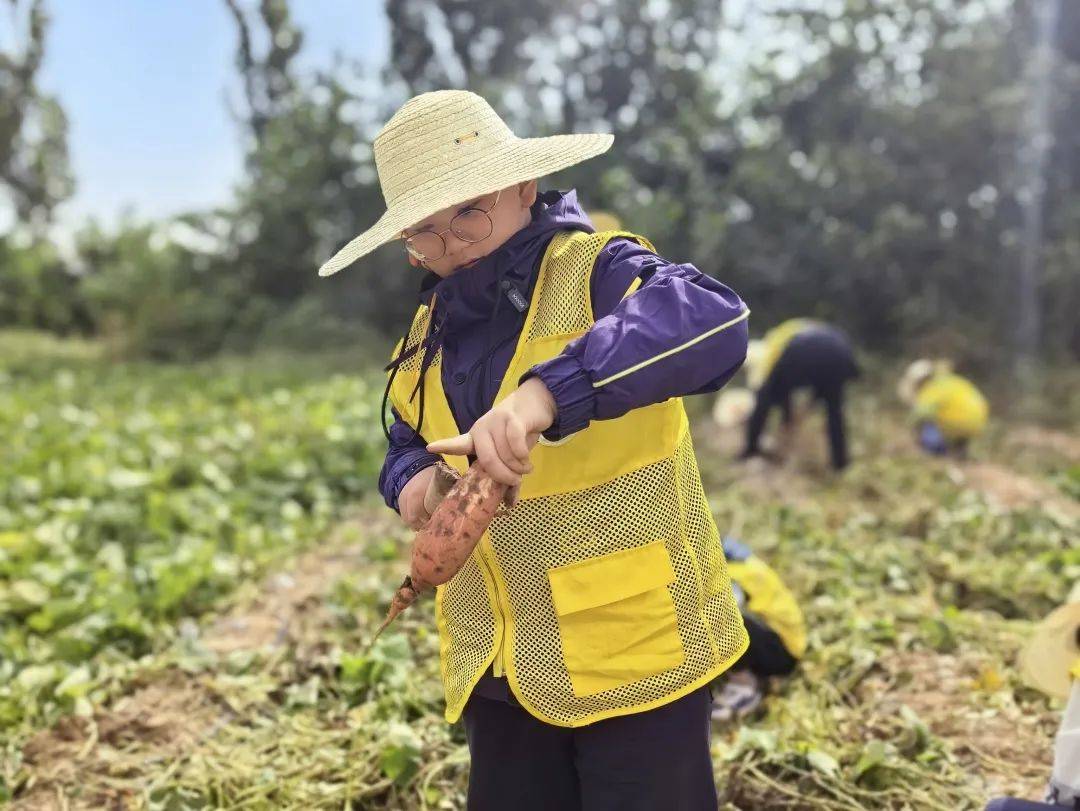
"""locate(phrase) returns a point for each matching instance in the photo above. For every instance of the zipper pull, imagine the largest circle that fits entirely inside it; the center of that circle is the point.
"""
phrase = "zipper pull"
(514, 296)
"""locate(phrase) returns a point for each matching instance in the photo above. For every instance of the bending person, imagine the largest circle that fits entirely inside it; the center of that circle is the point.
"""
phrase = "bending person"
(801, 354)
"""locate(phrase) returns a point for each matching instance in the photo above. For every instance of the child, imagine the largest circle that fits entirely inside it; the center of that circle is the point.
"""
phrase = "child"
(1050, 662)
(801, 354)
(947, 409)
(776, 628)
(579, 639)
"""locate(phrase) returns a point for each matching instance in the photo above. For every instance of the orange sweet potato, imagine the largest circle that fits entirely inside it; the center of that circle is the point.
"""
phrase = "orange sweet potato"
(441, 548)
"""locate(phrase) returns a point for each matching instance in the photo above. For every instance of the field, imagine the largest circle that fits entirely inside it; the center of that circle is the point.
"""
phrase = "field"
(192, 558)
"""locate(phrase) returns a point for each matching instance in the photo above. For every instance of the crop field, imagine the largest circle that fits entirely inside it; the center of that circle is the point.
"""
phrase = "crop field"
(192, 559)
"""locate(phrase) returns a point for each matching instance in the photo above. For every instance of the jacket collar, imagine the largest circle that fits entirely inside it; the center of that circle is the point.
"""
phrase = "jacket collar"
(468, 296)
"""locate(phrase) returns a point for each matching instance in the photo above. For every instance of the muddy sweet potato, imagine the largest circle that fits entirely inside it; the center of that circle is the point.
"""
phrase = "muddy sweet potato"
(441, 548)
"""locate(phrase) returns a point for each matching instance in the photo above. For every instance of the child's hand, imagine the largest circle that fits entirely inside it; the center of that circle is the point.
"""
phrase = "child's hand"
(411, 498)
(502, 438)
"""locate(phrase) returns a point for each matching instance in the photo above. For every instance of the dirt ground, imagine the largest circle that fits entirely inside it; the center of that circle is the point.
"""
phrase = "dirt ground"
(113, 759)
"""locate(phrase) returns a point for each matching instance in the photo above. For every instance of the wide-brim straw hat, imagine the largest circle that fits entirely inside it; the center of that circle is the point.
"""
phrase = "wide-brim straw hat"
(447, 147)
(1049, 658)
(917, 373)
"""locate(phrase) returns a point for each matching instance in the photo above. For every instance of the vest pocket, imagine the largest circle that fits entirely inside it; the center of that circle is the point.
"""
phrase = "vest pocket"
(616, 618)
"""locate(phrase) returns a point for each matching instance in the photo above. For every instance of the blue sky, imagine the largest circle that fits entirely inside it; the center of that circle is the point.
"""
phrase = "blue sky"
(145, 86)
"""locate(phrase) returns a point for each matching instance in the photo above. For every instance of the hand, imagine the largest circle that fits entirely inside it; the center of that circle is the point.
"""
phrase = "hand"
(411, 498)
(502, 438)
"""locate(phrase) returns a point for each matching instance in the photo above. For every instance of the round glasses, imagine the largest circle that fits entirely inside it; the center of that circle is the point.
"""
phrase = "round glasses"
(471, 225)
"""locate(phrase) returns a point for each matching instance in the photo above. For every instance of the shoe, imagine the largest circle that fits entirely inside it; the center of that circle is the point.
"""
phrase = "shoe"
(739, 696)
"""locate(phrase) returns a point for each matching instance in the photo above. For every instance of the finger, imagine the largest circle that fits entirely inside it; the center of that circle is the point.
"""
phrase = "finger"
(515, 436)
(461, 445)
(512, 495)
(502, 447)
(490, 461)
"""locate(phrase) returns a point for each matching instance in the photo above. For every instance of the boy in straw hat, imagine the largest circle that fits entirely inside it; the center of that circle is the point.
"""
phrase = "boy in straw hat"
(579, 639)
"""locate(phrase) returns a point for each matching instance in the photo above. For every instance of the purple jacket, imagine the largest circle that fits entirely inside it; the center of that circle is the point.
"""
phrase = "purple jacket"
(666, 340)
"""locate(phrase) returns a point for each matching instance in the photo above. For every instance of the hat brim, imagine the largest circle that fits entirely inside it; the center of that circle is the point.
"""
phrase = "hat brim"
(515, 161)
(1052, 651)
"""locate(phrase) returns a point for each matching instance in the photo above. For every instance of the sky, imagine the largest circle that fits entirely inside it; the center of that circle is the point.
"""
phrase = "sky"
(145, 85)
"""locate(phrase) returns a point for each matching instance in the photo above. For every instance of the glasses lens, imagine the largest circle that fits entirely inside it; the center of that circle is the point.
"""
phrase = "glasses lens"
(472, 225)
(426, 245)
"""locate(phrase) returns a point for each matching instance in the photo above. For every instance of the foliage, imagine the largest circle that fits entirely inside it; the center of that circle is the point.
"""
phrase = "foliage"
(133, 495)
(864, 165)
(33, 128)
(37, 289)
(869, 163)
(918, 587)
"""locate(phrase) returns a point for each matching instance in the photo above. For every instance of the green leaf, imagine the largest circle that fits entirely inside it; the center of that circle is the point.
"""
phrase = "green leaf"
(823, 762)
(27, 594)
(873, 755)
(399, 758)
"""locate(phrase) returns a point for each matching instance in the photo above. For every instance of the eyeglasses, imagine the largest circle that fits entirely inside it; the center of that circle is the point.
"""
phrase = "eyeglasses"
(470, 225)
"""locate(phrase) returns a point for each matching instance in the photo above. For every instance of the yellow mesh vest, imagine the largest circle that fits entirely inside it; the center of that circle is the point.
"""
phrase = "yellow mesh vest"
(604, 591)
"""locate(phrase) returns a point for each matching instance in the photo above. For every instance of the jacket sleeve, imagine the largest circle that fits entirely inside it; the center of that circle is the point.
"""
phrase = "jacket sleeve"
(680, 332)
(406, 455)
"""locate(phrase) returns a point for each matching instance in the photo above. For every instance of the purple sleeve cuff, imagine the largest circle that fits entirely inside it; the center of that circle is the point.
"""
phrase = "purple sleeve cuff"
(406, 455)
(421, 461)
(572, 388)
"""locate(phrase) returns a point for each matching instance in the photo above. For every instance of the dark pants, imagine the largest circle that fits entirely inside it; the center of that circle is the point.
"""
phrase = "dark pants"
(647, 761)
(820, 360)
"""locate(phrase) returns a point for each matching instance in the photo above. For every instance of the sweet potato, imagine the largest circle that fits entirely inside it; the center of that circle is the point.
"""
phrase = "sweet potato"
(441, 548)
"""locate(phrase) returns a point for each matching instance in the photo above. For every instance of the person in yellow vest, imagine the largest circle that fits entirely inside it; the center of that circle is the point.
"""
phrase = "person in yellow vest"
(579, 640)
(776, 628)
(948, 410)
(800, 354)
(605, 220)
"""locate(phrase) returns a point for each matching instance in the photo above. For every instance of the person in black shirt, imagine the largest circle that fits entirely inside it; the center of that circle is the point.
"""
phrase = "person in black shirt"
(801, 354)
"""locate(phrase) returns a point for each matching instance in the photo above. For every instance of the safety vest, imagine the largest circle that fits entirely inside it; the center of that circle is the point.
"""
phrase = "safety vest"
(604, 591)
(954, 404)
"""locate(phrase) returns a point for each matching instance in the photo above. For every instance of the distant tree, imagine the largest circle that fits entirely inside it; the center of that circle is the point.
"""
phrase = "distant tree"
(886, 193)
(863, 168)
(33, 128)
(638, 69)
(311, 183)
(268, 79)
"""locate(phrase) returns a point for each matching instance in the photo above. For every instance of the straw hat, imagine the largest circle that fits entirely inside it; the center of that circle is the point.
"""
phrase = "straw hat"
(449, 146)
(1053, 650)
(917, 373)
